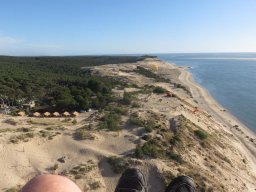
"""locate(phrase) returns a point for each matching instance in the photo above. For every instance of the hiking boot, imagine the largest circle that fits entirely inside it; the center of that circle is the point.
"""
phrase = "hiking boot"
(181, 184)
(132, 180)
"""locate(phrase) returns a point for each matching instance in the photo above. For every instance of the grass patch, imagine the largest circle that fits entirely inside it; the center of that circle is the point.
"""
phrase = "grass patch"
(54, 167)
(80, 171)
(82, 134)
(95, 185)
(5, 130)
(149, 124)
(155, 148)
(74, 122)
(14, 189)
(136, 120)
(135, 105)
(148, 73)
(111, 121)
(118, 164)
(117, 109)
(48, 134)
(175, 139)
(148, 149)
(127, 98)
(10, 122)
(159, 90)
(201, 134)
(44, 122)
(23, 137)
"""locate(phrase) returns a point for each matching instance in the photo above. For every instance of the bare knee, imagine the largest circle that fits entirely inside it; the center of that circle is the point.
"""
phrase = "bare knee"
(50, 183)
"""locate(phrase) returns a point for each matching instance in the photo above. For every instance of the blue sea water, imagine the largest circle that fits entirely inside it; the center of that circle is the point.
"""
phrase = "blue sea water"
(229, 77)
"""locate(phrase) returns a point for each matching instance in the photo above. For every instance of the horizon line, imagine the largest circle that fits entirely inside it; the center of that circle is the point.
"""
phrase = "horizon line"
(123, 54)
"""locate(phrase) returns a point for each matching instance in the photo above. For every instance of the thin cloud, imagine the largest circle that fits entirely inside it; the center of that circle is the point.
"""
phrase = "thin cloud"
(8, 41)
(14, 46)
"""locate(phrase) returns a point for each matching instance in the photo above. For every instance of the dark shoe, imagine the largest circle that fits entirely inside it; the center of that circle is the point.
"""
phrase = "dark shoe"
(181, 184)
(132, 180)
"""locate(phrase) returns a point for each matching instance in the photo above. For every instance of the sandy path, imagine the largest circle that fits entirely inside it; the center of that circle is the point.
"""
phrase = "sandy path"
(207, 102)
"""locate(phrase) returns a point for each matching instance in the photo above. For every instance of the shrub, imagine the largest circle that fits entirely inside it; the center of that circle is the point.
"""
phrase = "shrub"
(174, 156)
(111, 121)
(150, 74)
(118, 164)
(80, 171)
(14, 189)
(146, 137)
(54, 167)
(81, 134)
(175, 139)
(139, 152)
(135, 119)
(10, 121)
(127, 98)
(135, 105)
(95, 185)
(201, 134)
(156, 149)
(159, 90)
(150, 125)
(147, 149)
(74, 122)
(24, 129)
(120, 110)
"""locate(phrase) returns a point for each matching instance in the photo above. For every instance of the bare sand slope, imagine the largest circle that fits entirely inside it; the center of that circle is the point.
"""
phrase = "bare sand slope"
(20, 162)
(210, 105)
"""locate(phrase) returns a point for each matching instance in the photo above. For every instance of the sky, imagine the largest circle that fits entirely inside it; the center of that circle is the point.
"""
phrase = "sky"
(100, 27)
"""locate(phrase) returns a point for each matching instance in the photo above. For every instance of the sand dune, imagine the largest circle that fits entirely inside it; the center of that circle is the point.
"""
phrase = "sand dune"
(225, 160)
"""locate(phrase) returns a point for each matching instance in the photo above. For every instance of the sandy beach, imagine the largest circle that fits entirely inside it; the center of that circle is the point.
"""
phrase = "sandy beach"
(224, 161)
(208, 103)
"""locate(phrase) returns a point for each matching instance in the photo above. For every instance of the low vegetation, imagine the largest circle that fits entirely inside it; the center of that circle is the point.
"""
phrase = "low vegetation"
(150, 74)
(111, 121)
(159, 90)
(14, 189)
(136, 120)
(10, 122)
(80, 171)
(148, 124)
(127, 98)
(118, 164)
(48, 134)
(25, 137)
(121, 110)
(83, 134)
(155, 148)
(201, 134)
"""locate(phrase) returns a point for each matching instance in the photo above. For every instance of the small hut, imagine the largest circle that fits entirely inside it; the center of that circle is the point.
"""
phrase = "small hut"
(56, 114)
(66, 114)
(47, 114)
(75, 114)
(21, 114)
(36, 114)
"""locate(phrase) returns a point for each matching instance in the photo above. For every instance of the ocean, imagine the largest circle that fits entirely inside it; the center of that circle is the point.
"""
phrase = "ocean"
(229, 77)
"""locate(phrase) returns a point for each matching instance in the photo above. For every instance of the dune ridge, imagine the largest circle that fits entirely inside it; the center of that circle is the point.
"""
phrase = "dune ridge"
(223, 160)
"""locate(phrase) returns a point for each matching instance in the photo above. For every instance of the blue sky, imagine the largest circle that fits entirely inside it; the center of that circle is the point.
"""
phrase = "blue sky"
(81, 27)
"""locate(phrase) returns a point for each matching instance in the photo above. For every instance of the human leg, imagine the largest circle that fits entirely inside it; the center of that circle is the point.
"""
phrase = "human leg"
(50, 183)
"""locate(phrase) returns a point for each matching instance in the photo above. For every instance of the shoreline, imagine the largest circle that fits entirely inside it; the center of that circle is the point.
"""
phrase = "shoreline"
(228, 120)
